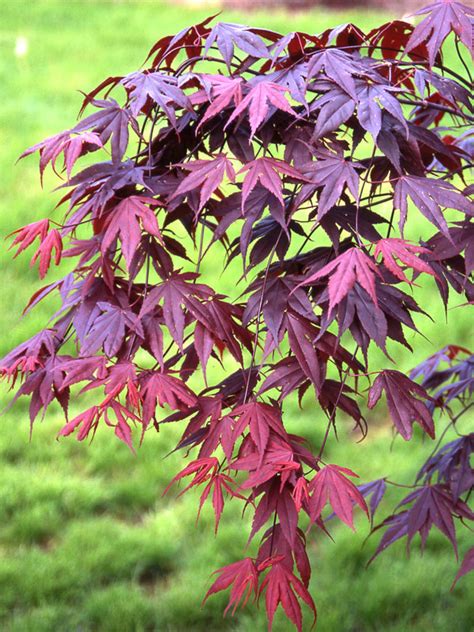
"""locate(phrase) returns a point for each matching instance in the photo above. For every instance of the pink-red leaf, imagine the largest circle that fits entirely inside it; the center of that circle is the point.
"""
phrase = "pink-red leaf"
(353, 266)
(258, 102)
(282, 587)
(267, 171)
(406, 253)
(124, 223)
(206, 175)
(332, 485)
(244, 577)
(51, 242)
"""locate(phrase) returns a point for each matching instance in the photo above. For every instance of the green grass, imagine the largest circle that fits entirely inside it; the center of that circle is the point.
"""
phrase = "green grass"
(86, 540)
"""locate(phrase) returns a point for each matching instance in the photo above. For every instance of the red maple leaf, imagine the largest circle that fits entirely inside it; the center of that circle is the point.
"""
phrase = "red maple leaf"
(159, 389)
(160, 88)
(429, 195)
(404, 400)
(443, 18)
(175, 291)
(261, 420)
(124, 222)
(344, 271)
(258, 102)
(244, 577)
(267, 171)
(405, 252)
(301, 336)
(217, 484)
(202, 470)
(110, 122)
(227, 36)
(26, 235)
(333, 173)
(224, 90)
(51, 242)
(87, 419)
(70, 146)
(331, 485)
(282, 587)
(123, 417)
(108, 329)
(206, 175)
(301, 493)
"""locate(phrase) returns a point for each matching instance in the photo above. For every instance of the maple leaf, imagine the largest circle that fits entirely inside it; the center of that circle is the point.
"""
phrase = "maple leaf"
(123, 222)
(88, 420)
(188, 39)
(217, 483)
(429, 368)
(175, 291)
(466, 567)
(261, 420)
(278, 459)
(74, 147)
(80, 369)
(443, 18)
(159, 389)
(404, 400)
(244, 577)
(282, 587)
(108, 329)
(428, 195)
(49, 149)
(338, 65)
(333, 174)
(111, 122)
(70, 146)
(300, 493)
(371, 98)
(227, 35)
(51, 242)
(26, 235)
(432, 505)
(120, 376)
(405, 252)
(202, 470)
(344, 271)
(335, 108)
(266, 171)
(295, 111)
(258, 102)
(206, 175)
(123, 417)
(28, 355)
(375, 490)
(223, 90)
(277, 299)
(451, 464)
(159, 87)
(331, 485)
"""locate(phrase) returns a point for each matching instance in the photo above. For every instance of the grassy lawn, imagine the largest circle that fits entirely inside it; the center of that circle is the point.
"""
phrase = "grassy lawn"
(87, 542)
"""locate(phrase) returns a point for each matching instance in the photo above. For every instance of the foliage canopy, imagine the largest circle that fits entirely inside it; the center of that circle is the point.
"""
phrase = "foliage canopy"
(303, 157)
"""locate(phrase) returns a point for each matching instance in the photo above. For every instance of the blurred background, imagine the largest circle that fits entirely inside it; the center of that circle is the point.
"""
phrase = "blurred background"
(87, 542)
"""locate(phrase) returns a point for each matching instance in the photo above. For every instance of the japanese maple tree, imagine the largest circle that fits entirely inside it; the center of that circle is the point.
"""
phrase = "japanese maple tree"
(300, 163)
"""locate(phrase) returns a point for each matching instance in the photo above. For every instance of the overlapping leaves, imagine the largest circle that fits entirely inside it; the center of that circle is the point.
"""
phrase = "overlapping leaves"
(295, 156)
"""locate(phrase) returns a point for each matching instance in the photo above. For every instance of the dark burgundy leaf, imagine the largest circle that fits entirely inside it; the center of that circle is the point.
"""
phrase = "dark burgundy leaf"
(405, 402)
